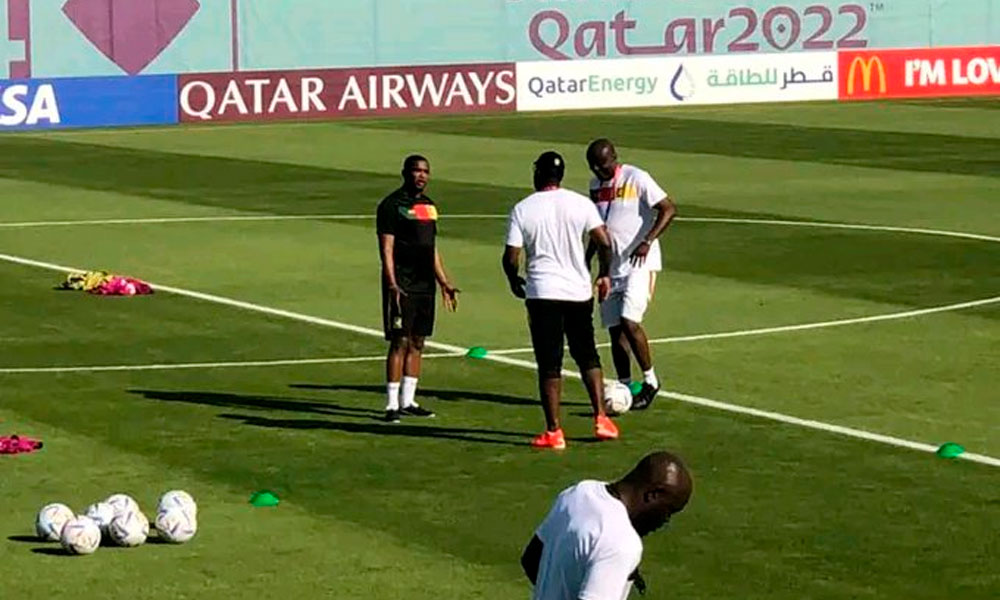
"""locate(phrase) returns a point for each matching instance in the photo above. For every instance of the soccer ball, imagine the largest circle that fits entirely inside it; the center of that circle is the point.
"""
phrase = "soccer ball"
(176, 525)
(122, 504)
(178, 499)
(129, 529)
(617, 398)
(101, 513)
(80, 535)
(50, 521)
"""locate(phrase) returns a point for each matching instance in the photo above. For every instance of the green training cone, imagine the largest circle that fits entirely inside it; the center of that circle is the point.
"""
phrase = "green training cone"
(476, 352)
(635, 387)
(264, 498)
(950, 450)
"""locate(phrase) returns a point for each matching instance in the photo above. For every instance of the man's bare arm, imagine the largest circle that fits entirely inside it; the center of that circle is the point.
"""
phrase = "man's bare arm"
(666, 210)
(448, 292)
(511, 264)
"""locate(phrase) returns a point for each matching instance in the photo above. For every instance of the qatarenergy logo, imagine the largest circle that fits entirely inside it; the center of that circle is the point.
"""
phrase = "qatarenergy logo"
(542, 87)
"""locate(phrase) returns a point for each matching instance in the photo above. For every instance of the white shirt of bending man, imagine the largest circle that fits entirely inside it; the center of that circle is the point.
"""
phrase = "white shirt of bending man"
(590, 547)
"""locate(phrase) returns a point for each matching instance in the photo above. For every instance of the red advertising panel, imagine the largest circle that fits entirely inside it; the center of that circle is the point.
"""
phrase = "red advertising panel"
(919, 72)
(332, 93)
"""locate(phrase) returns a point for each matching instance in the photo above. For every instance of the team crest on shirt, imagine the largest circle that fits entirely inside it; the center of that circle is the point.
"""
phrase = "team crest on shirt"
(420, 212)
(626, 192)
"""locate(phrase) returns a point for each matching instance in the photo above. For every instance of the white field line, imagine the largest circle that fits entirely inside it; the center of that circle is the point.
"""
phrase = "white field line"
(345, 217)
(215, 219)
(449, 348)
(206, 365)
(801, 327)
(828, 225)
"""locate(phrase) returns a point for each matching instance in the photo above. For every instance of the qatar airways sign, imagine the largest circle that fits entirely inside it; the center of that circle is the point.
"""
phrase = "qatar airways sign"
(331, 93)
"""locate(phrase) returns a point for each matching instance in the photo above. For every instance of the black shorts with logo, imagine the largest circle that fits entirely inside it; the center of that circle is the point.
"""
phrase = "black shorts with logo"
(552, 320)
(413, 316)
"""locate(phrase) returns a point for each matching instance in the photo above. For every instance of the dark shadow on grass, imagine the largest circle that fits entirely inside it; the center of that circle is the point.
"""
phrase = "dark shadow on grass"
(51, 551)
(879, 149)
(26, 539)
(157, 541)
(386, 429)
(985, 102)
(248, 185)
(227, 400)
(446, 395)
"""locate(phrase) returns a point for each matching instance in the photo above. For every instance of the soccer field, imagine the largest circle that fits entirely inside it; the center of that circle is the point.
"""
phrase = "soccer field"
(828, 312)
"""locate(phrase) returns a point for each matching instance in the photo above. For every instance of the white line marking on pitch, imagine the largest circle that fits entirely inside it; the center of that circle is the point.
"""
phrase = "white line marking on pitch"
(802, 327)
(449, 348)
(335, 217)
(214, 219)
(207, 365)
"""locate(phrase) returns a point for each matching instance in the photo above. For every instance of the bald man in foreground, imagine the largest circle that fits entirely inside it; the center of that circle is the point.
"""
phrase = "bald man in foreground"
(589, 546)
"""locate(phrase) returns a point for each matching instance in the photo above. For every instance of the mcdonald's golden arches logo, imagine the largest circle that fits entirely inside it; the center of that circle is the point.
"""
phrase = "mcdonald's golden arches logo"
(867, 66)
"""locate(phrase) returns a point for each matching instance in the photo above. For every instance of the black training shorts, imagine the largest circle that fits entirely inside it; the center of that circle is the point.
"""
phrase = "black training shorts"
(550, 321)
(412, 317)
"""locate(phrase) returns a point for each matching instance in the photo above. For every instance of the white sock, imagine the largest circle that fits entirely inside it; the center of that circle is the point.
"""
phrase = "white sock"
(392, 391)
(625, 381)
(650, 377)
(409, 392)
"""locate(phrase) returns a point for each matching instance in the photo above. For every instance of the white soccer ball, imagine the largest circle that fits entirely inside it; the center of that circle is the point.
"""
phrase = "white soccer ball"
(122, 504)
(178, 499)
(176, 525)
(129, 529)
(617, 398)
(80, 535)
(50, 521)
(101, 513)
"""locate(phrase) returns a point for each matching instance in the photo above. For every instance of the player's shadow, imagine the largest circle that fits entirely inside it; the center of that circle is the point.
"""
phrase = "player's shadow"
(445, 395)
(387, 429)
(323, 409)
(227, 400)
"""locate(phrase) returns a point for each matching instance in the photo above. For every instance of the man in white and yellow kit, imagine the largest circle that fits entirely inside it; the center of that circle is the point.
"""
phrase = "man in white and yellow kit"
(636, 211)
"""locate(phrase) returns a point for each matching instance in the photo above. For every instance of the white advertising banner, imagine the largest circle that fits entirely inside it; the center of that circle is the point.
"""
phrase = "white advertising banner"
(755, 78)
(722, 79)
(563, 84)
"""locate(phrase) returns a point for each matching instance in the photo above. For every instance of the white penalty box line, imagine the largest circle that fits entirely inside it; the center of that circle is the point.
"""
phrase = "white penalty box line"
(452, 349)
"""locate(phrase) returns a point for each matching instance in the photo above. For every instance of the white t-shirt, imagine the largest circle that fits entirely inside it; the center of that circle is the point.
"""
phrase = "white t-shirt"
(550, 226)
(626, 205)
(589, 547)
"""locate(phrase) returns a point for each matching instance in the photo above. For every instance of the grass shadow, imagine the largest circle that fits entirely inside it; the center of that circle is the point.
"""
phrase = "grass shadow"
(386, 429)
(26, 539)
(273, 403)
(923, 152)
(445, 395)
(51, 551)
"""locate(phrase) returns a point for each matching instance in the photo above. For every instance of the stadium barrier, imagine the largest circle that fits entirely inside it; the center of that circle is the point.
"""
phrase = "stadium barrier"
(724, 79)
(497, 87)
(919, 72)
(88, 102)
(332, 93)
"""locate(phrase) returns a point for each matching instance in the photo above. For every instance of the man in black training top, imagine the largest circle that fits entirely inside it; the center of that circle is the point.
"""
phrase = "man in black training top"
(411, 269)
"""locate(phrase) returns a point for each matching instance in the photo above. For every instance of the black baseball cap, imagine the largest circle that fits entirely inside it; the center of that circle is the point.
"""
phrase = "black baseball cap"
(551, 164)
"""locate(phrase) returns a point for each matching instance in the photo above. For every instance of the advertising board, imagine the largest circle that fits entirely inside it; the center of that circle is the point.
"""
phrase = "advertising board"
(88, 102)
(623, 83)
(911, 73)
(332, 93)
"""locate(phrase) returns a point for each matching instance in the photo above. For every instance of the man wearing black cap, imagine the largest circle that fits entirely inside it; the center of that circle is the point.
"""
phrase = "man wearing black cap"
(550, 226)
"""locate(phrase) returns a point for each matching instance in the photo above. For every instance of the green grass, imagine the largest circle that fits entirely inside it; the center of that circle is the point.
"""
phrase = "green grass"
(443, 508)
